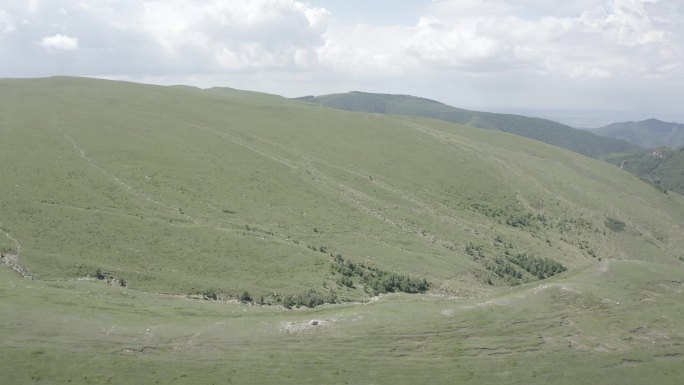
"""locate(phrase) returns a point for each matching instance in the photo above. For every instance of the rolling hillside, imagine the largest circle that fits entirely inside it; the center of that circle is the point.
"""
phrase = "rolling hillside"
(181, 191)
(180, 235)
(649, 133)
(543, 130)
(662, 167)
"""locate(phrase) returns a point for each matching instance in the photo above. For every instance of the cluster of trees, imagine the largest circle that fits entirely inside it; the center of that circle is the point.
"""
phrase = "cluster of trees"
(509, 268)
(505, 269)
(539, 267)
(309, 298)
(375, 280)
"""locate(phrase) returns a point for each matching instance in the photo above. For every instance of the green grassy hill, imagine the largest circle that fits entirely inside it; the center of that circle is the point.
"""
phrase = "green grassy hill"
(543, 265)
(663, 167)
(543, 130)
(649, 133)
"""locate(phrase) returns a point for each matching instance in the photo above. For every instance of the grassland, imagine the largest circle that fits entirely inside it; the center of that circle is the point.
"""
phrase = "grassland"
(181, 192)
(616, 322)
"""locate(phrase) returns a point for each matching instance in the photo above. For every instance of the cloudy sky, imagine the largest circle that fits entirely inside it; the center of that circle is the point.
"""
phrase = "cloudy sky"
(623, 58)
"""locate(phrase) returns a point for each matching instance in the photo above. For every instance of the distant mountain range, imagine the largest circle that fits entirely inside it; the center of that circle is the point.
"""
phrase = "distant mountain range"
(543, 130)
(649, 133)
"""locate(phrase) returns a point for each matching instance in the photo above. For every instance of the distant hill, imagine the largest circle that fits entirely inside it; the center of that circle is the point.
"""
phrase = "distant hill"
(543, 130)
(663, 167)
(649, 133)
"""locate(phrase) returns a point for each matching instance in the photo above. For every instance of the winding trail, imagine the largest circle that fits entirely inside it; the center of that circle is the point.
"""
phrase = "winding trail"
(362, 201)
(82, 154)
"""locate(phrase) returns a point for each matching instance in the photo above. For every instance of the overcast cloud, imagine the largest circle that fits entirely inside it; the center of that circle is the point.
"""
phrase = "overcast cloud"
(530, 54)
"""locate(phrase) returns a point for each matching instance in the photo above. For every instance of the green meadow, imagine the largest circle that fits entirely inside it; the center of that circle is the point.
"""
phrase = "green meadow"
(154, 234)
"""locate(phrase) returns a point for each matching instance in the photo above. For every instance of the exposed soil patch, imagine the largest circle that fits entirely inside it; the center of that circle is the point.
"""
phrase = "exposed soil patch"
(304, 327)
(12, 259)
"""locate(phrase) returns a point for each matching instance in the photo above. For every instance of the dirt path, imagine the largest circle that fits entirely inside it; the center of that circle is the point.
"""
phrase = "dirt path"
(82, 154)
(362, 201)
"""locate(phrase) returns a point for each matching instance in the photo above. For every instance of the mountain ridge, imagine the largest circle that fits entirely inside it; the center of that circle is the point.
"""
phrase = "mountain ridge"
(648, 133)
(544, 130)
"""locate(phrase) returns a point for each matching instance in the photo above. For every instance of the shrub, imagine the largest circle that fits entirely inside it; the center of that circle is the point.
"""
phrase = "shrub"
(245, 297)
(345, 281)
(615, 225)
(210, 294)
(539, 267)
(309, 298)
(505, 269)
(99, 274)
(375, 280)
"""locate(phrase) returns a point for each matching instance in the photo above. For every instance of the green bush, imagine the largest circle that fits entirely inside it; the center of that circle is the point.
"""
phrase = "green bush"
(539, 267)
(375, 280)
(245, 297)
(99, 274)
(309, 298)
(345, 281)
(615, 225)
(505, 269)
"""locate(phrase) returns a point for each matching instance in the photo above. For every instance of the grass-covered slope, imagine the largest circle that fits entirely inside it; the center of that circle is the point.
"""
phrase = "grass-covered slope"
(617, 322)
(649, 133)
(543, 130)
(181, 190)
(220, 192)
(663, 167)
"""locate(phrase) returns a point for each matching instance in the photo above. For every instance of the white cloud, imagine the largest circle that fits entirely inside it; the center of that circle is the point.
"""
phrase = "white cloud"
(363, 49)
(624, 22)
(489, 45)
(60, 42)
(6, 23)
(233, 35)
(606, 38)
(24, 6)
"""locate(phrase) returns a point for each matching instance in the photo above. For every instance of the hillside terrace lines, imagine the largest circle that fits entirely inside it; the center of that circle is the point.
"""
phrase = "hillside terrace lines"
(438, 134)
(234, 139)
(436, 212)
(82, 154)
(441, 212)
(148, 218)
(359, 199)
(319, 178)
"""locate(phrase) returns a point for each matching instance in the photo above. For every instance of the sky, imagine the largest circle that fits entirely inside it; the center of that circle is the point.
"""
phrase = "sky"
(580, 59)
